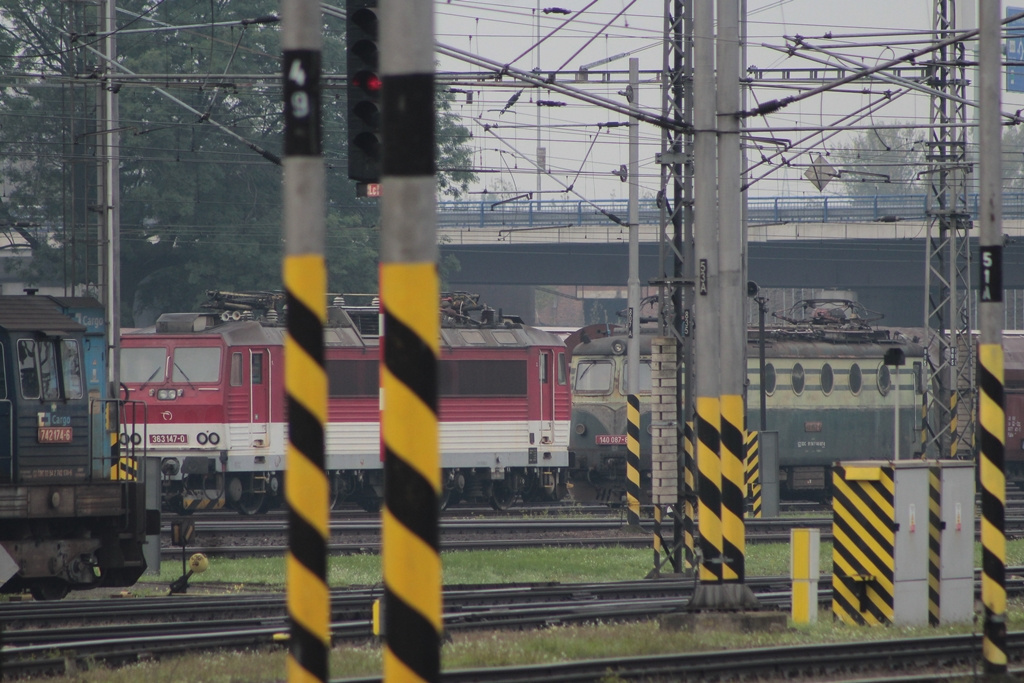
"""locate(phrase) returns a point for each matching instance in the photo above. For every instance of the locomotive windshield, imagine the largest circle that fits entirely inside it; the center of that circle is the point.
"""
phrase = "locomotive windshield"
(593, 376)
(143, 364)
(41, 365)
(192, 364)
(645, 377)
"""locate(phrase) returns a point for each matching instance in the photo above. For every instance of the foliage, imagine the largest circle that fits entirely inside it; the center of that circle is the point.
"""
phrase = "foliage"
(883, 161)
(200, 195)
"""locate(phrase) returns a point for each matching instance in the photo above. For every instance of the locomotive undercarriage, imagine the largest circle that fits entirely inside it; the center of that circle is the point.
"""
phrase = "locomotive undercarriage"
(56, 539)
(250, 493)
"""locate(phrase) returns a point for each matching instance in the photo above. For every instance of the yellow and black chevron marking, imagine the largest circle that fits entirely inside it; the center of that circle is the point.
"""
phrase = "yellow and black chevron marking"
(412, 474)
(633, 460)
(126, 469)
(658, 543)
(992, 424)
(709, 488)
(689, 511)
(934, 543)
(864, 534)
(732, 459)
(191, 504)
(924, 424)
(753, 473)
(306, 486)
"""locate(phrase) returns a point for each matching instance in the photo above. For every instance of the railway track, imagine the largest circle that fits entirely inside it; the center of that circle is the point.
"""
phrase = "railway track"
(50, 638)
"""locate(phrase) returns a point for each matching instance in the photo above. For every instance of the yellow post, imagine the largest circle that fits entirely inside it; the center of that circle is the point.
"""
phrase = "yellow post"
(804, 572)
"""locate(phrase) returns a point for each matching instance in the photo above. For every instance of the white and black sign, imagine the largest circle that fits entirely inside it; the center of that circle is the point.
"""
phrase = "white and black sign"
(991, 284)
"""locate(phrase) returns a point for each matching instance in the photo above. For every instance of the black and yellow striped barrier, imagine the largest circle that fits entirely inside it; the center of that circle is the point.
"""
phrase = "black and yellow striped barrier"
(733, 457)
(306, 486)
(934, 544)
(709, 488)
(992, 428)
(753, 474)
(633, 460)
(690, 496)
(863, 530)
(194, 503)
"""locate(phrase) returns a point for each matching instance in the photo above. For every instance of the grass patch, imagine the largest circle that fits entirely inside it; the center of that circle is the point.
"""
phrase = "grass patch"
(510, 648)
(515, 565)
(505, 648)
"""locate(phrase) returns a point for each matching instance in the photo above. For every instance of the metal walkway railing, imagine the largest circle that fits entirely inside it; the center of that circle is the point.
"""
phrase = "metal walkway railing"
(548, 214)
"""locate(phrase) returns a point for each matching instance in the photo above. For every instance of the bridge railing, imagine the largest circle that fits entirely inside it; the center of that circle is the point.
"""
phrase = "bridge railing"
(554, 216)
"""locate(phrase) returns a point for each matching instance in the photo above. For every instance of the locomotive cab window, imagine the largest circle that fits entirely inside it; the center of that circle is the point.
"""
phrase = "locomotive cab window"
(3, 375)
(593, 376)
(562, 372)
(257, 368)
(71, 367)
(236, 369)
(545, 374)
(196, 364)
(44, 365)
(798, 379)
(645, 377)
(141, 365)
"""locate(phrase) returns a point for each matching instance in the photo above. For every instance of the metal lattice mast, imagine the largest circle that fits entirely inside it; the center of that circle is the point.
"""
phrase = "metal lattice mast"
(950, 368)
(676, 239)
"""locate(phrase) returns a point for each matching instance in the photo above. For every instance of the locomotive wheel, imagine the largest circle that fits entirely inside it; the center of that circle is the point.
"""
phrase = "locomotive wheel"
(502, 495)
(450, 498)
(334, 494)
(251, 504)
(50, 589)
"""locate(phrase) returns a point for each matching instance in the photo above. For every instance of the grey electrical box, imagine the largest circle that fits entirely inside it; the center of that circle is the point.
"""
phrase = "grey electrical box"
(910, 559)
(956, 549)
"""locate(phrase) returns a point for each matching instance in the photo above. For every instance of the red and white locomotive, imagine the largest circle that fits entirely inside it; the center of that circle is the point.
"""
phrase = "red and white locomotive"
(212, 384)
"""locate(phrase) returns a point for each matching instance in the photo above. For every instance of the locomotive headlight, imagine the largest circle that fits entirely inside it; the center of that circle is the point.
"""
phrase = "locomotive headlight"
(167, 394)
(214, 438)
(581, 428)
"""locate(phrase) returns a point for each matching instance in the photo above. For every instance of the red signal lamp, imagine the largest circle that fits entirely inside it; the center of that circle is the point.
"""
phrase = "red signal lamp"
(368, 81)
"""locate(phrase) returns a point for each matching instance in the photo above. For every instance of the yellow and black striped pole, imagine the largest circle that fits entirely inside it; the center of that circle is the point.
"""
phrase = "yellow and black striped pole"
(991, 417)
(690, 496)
(753, 473)
(709, 492)
(733, 530)
(934, 545)
(305, 282)
(633, 460)
(410, 299)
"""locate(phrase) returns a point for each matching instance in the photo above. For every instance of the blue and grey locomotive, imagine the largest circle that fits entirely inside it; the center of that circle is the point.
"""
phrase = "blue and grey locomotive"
(72, 507)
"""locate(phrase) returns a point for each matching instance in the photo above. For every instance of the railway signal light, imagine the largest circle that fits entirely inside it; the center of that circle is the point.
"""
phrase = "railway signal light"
(364, 91)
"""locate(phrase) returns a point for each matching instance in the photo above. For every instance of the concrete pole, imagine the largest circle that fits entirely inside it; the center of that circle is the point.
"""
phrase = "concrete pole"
(991, 415)
(112, 203)
(633, 310)
(732, 290)
(633, 284)
(305, 280)
(706, 370)
(410, 299)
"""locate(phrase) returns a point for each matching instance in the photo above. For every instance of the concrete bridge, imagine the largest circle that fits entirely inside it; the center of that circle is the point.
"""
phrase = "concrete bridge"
(872, 245)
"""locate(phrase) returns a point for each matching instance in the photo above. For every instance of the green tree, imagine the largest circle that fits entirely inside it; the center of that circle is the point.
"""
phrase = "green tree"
(883, 161)
(200, 209)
